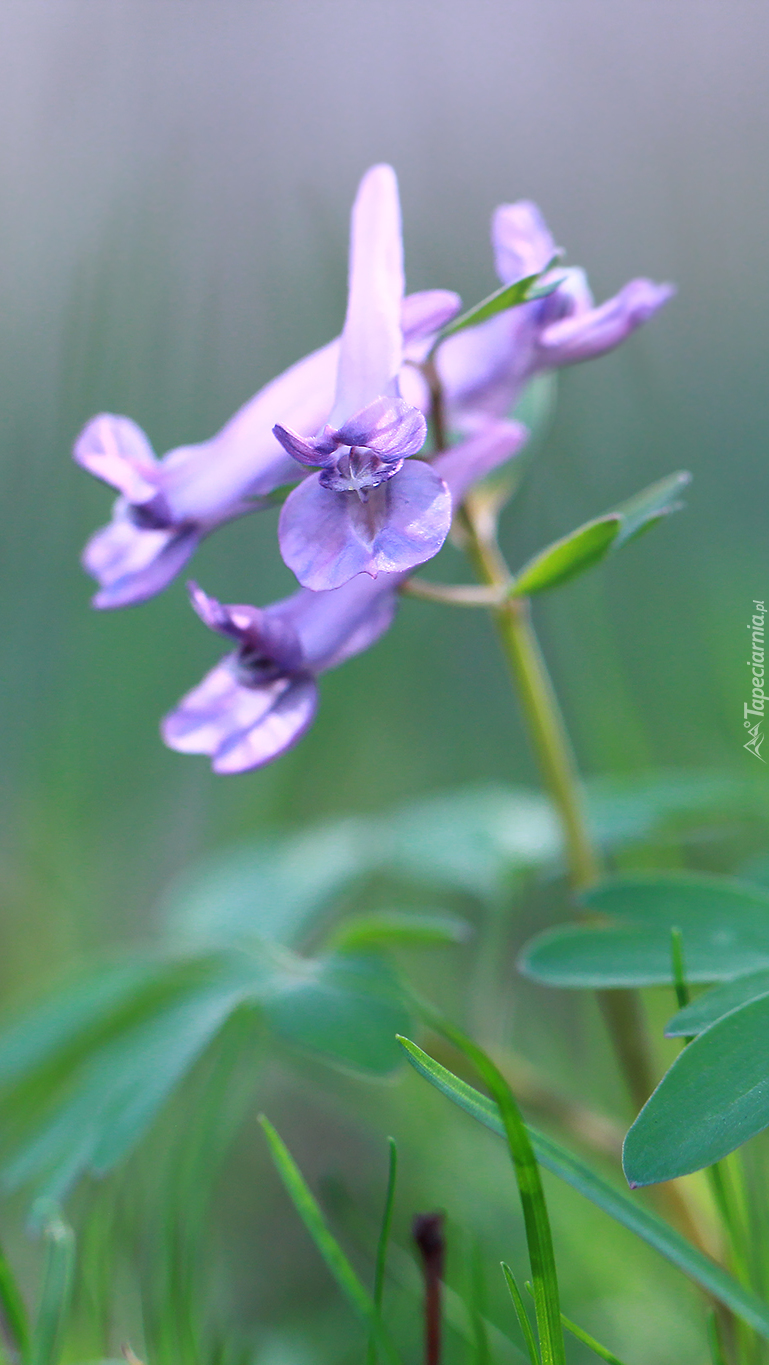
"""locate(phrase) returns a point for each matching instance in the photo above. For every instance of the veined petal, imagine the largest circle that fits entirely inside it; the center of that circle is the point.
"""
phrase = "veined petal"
(371, 349)
(523, 243)
(588, 334)
(116, 450)
(326, 538)
(131, 564)
(313, 451)
(388, 426)
(240, 727)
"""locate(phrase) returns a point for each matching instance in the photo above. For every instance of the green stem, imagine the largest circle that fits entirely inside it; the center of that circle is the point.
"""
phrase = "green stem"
(621, 1009)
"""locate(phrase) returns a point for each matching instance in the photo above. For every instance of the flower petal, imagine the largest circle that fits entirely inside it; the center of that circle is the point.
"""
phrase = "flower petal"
(588, 334)
(388, 426)
(333, 626)
(426, 312)
(132, 564)
(326, 538)
(116, 450)
(240, 727)
(523, 243)
(464, 464)
(371, 349)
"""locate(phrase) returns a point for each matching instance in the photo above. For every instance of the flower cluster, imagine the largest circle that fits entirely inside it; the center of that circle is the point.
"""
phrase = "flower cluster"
(347, 426)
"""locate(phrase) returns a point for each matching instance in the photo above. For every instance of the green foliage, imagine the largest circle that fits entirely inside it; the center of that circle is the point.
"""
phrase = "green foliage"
(509, 296)
(394, 928)
(382, 1243)
(646, 508)
(713, 1005)
(566, 558)
(724, 926)
(619, 1205)
(309, 1211)
(714, 1097)
(55, 1294)
(521, 1314)
(13, 1310)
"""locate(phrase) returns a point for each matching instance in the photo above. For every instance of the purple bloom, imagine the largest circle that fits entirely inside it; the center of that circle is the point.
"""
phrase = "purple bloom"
(365, 511)
(167, 506)
(485, 368)
(260, 699)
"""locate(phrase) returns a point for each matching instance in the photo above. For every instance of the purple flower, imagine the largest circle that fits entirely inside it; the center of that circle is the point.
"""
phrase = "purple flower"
(484, 369)
(366, 511)
(260, 699)
(167, 506)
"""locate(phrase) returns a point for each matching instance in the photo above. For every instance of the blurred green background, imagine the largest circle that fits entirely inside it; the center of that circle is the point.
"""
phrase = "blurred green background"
(177, 181)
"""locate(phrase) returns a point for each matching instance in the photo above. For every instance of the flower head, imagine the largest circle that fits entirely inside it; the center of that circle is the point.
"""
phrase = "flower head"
(260, 699)
(365, 511)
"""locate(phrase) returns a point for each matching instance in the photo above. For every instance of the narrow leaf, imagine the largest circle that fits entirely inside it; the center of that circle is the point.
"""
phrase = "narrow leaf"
(309, 1211)
(382, 1244)
(566, 558)
(616, 1203)
(536, 1220)
(13, 1308)
(713, 1005)
(521, 1314)
(55, 1295)
(647, 507)
(587, 1340)
(509, 296)
(395, 928)
(714, 1097)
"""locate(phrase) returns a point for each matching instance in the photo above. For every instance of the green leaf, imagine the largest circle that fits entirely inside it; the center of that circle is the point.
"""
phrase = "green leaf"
(724, 924)
(55, 1295)
(618, 1204)
(646, 508)
(521, 1314)
(346, 1008)
(272, 888)
(587, 1340)
(394, 928)
(566, 558)
(309, 1211)
(476, 839)
(713, 1005)
(383, 1242)
(13, 1309)
(625, 810)
(714, 1097)
(509, 296)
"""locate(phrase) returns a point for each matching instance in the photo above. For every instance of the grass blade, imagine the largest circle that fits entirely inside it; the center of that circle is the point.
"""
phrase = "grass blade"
(587, 1340)
(384, 1237)
(521, 1314)
(310, 1213)
(55, 1295)
(13, 1310)
(619, 1205)
(538, 1235)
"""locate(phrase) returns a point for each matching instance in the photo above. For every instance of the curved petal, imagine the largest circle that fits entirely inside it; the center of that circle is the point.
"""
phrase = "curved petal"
(388, 426)
(131, 564)
(371, 349)
(333, 626)
(116, 450)
(326, 538)
(426, 312)
(235, 622)
(523, 243)
(584, 335)
(464, 464)
(240, 727)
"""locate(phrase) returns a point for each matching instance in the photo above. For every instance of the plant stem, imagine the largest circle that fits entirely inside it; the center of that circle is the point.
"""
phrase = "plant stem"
(621, 1009)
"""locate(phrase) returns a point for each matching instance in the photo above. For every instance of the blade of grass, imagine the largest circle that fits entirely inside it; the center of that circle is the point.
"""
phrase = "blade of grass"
(310, 1213)
(620, 1206)
(384, 1238)
(587, 1340)
(55, 1294)
(535, 1216)
(714, 1340)
(13, 1311)
(521, 1314)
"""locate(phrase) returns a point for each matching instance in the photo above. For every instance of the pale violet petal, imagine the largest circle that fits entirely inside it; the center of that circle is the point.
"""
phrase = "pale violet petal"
(131, 564)
(464, 464)
(281, 726)
(116, 450)
(523, 243)
(371, 350)
(585, 335)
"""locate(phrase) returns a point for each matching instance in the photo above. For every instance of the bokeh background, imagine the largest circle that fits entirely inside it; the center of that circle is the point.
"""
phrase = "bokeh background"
(177, 177)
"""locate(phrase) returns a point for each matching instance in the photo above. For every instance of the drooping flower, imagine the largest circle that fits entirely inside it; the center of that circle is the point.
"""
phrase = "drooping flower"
(260, 699)
(167, 506)
(484, 369)
(367, 510)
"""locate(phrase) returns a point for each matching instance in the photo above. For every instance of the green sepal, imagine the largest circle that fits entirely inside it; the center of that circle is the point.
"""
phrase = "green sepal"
(508, 296)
